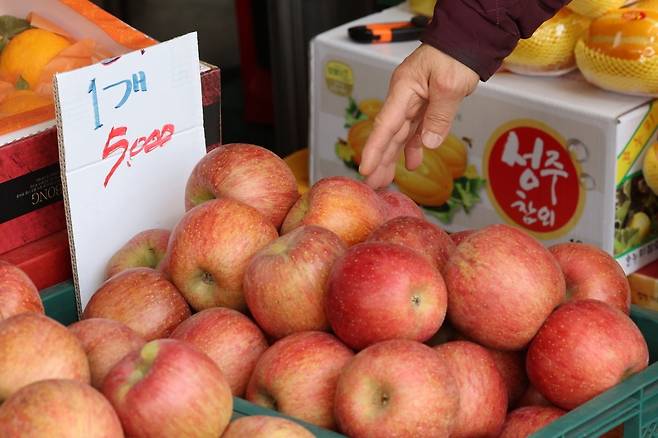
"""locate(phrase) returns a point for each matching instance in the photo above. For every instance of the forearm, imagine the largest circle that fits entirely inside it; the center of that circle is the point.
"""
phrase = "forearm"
(481, 33)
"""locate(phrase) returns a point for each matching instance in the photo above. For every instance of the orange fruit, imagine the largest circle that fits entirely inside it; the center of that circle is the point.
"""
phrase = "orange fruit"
(21, 101)
(28, 53)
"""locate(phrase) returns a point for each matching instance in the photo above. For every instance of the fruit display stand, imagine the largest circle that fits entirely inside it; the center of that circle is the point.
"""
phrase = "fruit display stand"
(633, 403)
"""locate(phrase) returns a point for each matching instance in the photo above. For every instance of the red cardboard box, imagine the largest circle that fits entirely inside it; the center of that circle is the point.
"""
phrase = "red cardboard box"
(31, 205)
(46, 261)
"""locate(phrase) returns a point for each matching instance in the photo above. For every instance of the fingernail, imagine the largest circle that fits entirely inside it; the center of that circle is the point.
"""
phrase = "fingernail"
(431, 139)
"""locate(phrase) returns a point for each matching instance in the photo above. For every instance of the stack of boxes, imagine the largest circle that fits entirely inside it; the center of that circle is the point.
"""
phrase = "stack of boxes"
(32, 219)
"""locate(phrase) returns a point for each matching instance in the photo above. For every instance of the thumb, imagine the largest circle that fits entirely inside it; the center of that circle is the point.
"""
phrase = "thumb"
(438, 118)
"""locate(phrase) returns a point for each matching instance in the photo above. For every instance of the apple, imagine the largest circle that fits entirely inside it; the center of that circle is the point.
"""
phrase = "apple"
(397, 388)
(460, 236)
(297, 376)
(592, 273)
(418, 234)
(502, 285)
(144, 250)
(248, 173)
(18, 292)
(523, 422)
(210, 249)
(378, 291)
(511, 365)
(482, 390)
(169, 389)
(229, 338)
(141, 298)
(584, 348)
(264, 426)
(398, 204)
(284, 284)
(106, 342)
(34, 347)
(345, 206)
(532, 397)
(58, 408)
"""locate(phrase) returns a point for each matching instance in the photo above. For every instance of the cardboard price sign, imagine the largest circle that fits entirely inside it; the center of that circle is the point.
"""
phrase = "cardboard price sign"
(130, 132)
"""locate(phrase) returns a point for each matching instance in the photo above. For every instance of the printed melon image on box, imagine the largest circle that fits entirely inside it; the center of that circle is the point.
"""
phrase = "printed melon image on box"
(442, 185)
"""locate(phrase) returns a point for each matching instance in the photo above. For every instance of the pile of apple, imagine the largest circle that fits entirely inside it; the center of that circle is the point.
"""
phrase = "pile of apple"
(344, 308)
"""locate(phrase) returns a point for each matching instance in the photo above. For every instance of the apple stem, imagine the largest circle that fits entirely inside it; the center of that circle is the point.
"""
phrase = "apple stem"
(384, 399)
(207, 278)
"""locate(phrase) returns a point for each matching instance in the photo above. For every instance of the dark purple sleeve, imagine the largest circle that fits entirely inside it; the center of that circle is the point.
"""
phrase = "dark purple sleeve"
(481, 33)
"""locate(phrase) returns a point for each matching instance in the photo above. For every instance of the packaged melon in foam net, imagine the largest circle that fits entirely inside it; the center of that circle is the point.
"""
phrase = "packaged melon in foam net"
(620, 52)
(549, 52)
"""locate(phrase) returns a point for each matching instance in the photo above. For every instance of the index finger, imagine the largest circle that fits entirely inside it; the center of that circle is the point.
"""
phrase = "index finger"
(388, 122)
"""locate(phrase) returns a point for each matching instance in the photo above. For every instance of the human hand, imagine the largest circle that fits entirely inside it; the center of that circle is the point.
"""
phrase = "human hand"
(423, 97)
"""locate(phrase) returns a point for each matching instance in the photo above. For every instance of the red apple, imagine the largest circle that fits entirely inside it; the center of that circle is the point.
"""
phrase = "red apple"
(297, 376)
(345, 206)
(379, 291)
(482, 390)
(169, 389)
(502, 285)
(284, 284)
(424, 237)
(264, 426)
(511, 365)
(398, 204)
(34, 347)
(592, 273)
(584, 348)
(397, 388)
(141, 298)
(460, 236)
(144, 250)
(18, 292)
(532, 397)
(523, 422)
(229, 338)
(248, 173)
(106, 342)
(58, 409)
(210, 249)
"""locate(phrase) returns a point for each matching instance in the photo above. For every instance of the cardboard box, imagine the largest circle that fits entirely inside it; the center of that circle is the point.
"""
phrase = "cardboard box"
(644, 287)
(554, 156)
(31, 204)
(46, 261)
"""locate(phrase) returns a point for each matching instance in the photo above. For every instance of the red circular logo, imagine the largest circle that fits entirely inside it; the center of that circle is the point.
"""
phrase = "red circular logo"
(533, 179)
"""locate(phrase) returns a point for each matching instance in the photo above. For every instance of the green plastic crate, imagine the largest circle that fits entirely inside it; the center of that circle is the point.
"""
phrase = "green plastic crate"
(242, 408)
(633, 402)
(59, 302)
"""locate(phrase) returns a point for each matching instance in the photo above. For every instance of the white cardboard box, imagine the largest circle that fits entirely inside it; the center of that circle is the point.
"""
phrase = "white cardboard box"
(555, 156)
